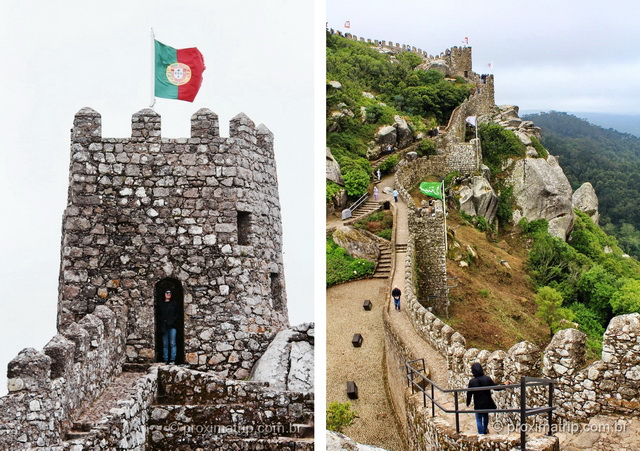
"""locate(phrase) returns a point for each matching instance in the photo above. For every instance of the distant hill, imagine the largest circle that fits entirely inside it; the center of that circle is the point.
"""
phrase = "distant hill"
(624, 123)
(610, 160)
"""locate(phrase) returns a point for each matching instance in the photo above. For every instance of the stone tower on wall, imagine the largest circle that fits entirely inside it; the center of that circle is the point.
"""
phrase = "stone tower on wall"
(459, 61)
(198, 215)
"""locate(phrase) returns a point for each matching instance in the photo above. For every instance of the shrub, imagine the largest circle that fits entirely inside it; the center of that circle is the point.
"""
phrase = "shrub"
(498, 144)
(340, 416)
(426, 147)
(342, 267)
(387, 165)
(534, 227)
(332, 189)
(504, 211)
(550, 308)
(356, 182)
(542, 152)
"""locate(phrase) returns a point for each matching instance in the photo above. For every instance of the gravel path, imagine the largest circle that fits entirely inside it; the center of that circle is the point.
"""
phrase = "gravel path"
(345, 317)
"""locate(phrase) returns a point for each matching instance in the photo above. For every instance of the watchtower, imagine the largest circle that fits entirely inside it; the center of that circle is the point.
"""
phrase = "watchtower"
(199, 215)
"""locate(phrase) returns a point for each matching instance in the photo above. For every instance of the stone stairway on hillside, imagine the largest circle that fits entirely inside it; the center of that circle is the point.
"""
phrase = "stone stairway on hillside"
(363, 210)
(383, 268)
(401, 248)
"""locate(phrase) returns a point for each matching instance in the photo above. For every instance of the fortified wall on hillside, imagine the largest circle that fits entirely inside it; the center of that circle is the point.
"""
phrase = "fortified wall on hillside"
(199, 216)
(608, 386)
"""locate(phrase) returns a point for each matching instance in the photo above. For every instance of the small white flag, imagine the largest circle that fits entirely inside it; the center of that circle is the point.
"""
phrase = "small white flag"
(472, 120)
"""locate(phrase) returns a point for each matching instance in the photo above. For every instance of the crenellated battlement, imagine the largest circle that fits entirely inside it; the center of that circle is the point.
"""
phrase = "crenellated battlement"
(56, 384)
(199, 215)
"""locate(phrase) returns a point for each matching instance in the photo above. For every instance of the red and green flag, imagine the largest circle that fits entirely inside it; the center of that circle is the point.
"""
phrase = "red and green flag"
(178, 72)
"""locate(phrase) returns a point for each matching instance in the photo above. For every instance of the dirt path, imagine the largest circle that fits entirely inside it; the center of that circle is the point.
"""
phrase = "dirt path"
(345, 317)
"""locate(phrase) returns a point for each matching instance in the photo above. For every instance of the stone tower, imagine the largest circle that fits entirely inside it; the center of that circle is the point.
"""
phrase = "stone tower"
(197, 215)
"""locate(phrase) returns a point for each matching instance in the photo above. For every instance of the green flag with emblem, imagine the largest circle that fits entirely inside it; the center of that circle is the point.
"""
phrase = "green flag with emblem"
(433, 189)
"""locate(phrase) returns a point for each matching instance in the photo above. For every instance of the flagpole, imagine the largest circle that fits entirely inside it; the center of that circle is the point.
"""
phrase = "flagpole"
(153, 69)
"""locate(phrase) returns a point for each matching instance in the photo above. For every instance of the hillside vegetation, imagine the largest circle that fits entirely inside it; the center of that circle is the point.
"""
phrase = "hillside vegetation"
(425, 98)
(610, 160)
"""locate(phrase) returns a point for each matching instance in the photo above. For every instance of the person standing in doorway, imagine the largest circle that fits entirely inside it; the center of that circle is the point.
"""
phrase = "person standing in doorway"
(168, 316)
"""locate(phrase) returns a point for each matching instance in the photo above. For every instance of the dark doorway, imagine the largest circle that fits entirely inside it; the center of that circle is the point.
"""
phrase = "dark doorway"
(386, 205)
(177, 294)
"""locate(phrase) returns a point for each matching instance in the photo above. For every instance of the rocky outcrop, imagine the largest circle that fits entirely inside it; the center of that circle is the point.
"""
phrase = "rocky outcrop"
(541, 191)
(477, 198)
(287, 364)
(398, 136)
(333, 169)
(356, 243)
(439, 65)
(507, 117)
(337, 442)
(586, 200)
(403, 132)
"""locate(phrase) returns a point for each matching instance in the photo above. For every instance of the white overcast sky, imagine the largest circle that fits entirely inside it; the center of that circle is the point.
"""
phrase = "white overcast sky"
(61, 56)
(565, 55)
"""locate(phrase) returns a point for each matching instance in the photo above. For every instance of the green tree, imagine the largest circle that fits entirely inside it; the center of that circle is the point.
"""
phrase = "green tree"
(356, 181)
(550, 308)
(627, 298)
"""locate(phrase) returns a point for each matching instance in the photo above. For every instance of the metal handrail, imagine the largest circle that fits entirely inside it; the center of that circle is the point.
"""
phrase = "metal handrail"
(525, 382)
(359, 202)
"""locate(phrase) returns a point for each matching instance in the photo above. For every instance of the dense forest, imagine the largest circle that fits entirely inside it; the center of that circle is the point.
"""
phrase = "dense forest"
(394, 87)
(610, 160)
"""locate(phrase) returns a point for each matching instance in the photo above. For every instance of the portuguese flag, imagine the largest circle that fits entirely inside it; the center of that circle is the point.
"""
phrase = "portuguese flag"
(178, 72)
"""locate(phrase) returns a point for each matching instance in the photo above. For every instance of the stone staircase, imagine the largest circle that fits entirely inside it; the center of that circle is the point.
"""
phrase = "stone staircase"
(363, 210)
(383, 268)
(100, 408)
(401, 248)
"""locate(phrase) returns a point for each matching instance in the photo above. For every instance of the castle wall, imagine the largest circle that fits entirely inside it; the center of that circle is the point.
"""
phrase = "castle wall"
(47, 390)
(429, 433)
(202, 211)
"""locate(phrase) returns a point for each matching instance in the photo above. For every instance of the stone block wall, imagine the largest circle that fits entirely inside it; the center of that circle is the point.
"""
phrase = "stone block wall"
(125, 426)
(429, 433)
(200, 213)
(481, 102)
(607, 386)
(460, 61)
(49, 389)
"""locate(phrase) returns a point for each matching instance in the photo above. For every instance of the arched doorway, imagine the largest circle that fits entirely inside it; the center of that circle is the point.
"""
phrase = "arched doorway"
(177, 295)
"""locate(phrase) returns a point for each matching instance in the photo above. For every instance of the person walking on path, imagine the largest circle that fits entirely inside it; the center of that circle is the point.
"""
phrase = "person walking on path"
(168, 316)
(395, 293)
(379, 174)
(395, 195)
(375, 193)
(482, 398)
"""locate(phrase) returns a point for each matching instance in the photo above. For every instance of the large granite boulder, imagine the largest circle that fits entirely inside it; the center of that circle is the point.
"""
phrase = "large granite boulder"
(404, 135)
(337, 442)
(387, 135)
(356, 243)
(541, 191)
(477, 198)
(287, 364)
(585, 199)
(333, 169)
(439, 65)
